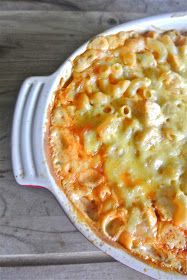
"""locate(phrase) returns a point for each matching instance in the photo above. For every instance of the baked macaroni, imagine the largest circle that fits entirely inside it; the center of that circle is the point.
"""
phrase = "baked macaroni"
(118, 142)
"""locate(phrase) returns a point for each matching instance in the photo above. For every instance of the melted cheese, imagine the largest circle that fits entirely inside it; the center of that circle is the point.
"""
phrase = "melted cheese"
(118, 139)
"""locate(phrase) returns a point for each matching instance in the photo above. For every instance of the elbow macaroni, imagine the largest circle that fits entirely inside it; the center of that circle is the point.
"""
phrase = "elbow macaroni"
(118, 142)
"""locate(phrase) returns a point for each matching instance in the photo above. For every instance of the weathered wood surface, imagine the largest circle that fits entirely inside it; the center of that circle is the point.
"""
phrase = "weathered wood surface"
(33, 228)
(96, 271)
(141, 6)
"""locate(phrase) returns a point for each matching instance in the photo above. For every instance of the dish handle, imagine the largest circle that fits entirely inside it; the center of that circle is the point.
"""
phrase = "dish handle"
(28, 157)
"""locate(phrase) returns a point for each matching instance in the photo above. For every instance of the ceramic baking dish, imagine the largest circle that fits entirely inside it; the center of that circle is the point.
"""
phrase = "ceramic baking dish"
(29, 157)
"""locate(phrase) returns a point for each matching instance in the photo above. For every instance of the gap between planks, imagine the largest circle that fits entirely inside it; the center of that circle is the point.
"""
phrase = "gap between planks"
(54, 259)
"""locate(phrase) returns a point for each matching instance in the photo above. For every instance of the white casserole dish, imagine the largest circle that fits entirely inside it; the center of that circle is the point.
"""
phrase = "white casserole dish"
(29, 157)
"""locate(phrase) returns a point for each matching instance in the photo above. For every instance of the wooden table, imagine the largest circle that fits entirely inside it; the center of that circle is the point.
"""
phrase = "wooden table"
(37, 241)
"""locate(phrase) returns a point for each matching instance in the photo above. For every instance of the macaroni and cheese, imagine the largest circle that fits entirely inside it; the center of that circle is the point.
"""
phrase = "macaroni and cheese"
(118, 142)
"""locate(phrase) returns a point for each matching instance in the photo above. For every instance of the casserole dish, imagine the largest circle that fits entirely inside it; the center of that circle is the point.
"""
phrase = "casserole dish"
(29, 155)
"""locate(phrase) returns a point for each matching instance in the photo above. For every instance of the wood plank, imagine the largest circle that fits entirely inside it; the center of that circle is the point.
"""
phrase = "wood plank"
(41, 235)
(54, 258)
(27, 35)
(99, 271)
(149, 6)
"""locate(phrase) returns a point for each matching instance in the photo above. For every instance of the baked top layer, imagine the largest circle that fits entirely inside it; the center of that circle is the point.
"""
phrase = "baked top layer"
(118, 142)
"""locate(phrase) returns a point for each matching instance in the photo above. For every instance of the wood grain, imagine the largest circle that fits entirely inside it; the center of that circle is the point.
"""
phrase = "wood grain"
(54, 258)
(142, 6)
(99, 271)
